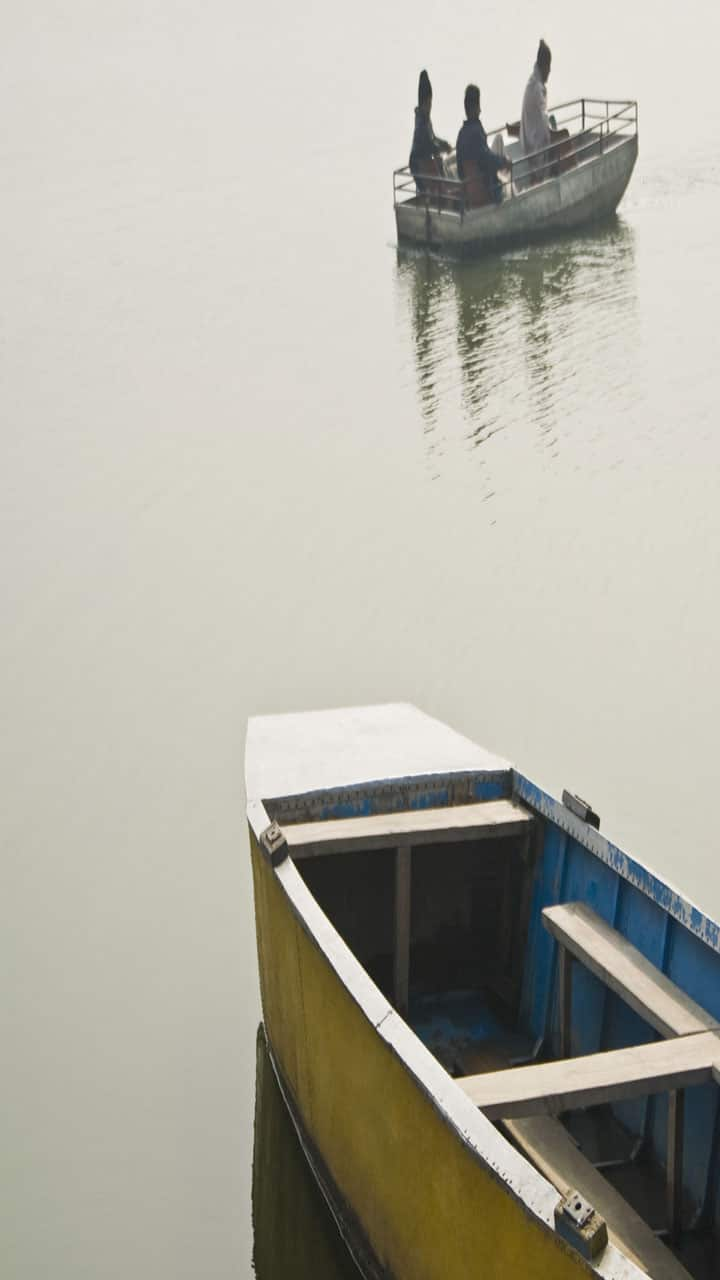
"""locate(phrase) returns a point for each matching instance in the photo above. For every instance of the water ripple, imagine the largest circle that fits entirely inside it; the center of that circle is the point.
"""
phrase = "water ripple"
(519, 340)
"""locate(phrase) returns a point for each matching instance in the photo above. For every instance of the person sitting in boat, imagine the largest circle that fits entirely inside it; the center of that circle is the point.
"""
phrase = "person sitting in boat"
(477, 165)
(427, 149)
(537, 129)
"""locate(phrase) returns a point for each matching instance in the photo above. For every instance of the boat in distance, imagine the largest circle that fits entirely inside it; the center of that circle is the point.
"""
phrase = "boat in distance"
(496, 1033)
(568, 184)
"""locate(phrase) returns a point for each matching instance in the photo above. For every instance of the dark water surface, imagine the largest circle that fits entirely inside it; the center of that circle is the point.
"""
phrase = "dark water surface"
(254, 458)
(293, 1231)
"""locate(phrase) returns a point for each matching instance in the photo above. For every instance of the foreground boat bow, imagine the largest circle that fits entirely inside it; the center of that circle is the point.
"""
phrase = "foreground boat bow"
(411, 957)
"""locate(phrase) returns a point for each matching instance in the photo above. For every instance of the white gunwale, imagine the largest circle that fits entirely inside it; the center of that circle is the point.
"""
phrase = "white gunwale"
(660, 891)
(484, 820)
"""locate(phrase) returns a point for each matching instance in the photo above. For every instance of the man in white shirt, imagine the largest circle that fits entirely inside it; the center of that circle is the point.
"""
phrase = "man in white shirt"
(535, 131)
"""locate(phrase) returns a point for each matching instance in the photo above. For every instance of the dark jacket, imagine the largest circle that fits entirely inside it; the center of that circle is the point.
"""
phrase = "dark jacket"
(472, 145)
(425, 146)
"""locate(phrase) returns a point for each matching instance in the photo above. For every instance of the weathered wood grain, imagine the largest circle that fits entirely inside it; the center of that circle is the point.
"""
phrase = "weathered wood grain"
(410, 827)
(625, 970)
(549, 1088)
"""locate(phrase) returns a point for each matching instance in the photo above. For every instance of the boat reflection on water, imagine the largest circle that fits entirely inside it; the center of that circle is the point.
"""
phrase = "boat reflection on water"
(501, 338)
(295, 1236)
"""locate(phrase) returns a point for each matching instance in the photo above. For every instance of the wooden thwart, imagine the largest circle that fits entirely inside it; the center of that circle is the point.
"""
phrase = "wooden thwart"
(549, 1088)
(583, 935)
(551, 1149)
(625, 970)
(410, 827)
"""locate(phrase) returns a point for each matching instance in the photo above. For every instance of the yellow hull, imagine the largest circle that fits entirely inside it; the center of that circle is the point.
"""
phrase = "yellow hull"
(428, 1205)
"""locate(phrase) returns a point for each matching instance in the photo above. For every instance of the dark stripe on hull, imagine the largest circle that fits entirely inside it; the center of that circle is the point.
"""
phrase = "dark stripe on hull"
(346, 1221)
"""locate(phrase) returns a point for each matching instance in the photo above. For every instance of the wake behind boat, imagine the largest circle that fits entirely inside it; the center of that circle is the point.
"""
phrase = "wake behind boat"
(565, 185)
(496, 1033)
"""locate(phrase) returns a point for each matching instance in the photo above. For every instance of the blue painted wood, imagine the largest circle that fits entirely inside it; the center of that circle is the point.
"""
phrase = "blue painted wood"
(695, 969)
(493, 788)
(670, 900)
(701, 1111)
(643, 923)
(623, 1027)
(413, 793)
(538, 973)
(587, 880)
(711, 1206)
(579, 865)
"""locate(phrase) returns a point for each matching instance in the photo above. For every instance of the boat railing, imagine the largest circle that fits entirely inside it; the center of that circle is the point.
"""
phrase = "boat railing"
(590, 123)
(592, 126)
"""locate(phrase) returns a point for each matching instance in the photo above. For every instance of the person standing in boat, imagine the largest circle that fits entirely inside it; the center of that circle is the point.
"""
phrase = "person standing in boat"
(477, 165)
(537, 129)
(427, 149)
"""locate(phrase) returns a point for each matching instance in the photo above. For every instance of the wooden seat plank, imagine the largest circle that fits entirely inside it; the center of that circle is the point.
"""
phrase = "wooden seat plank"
(409, 827)
(624, 969)
(548, 1145)
(549, 1088)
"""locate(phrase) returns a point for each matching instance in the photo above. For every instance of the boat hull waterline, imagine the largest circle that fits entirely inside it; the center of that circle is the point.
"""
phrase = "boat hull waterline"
(585, 195)
(571, 185)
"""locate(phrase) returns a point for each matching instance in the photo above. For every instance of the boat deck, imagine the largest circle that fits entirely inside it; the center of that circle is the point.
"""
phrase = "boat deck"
(467, 1032)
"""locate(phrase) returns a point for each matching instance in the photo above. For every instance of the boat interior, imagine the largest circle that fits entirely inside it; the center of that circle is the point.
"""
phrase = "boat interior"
(574, 1008)
(586, 128)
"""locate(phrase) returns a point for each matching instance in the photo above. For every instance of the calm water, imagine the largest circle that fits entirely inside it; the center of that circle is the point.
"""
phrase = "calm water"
(256, 459)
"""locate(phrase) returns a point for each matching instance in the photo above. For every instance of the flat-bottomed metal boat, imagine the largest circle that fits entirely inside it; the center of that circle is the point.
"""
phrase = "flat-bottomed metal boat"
(567, 185)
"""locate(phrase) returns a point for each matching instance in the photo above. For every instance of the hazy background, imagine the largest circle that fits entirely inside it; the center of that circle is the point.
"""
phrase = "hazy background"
(255, 460)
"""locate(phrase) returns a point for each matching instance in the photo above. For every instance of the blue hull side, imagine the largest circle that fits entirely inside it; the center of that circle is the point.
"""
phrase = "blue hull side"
(577, 864)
